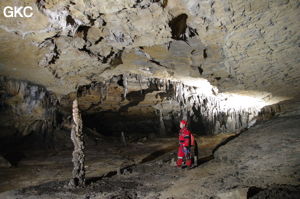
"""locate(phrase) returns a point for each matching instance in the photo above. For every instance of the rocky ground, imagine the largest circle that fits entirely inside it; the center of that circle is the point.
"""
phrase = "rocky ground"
(104, 156)
(264, 157)
(40, 167)
(262, 162)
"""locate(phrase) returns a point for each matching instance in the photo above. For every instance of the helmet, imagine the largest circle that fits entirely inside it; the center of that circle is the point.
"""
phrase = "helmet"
(183, 122)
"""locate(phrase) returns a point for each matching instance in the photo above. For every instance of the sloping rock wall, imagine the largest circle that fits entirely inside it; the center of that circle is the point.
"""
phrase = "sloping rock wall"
(27, 108)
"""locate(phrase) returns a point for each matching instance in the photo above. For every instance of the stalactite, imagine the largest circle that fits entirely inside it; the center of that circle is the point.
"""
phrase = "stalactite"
(125, 83)
(209, 106)
(103, 91)
(162, 124)
(77, 138)
(210, 109)
(139, 78)
(123, 138)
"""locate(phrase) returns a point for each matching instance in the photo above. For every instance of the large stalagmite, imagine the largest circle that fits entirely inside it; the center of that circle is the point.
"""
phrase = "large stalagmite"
(78, 153)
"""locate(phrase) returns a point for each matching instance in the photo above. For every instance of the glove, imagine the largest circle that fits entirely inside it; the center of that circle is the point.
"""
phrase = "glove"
(186, 150)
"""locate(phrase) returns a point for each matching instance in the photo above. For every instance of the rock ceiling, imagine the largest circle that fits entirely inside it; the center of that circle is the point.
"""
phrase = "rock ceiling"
(246, 47)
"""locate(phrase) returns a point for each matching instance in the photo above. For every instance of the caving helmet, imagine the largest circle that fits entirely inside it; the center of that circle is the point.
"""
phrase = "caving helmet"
(184, 122)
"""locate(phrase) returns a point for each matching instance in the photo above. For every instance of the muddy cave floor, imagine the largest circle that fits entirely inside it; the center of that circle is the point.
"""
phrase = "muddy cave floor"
(262, 162)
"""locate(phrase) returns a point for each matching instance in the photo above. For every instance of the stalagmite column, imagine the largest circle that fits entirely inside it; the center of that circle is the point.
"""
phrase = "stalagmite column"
(162, 124)
(78, 179)
(125, 83)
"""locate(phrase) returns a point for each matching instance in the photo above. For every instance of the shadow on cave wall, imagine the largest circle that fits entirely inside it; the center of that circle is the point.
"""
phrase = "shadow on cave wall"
(197, 123)
(110, 123)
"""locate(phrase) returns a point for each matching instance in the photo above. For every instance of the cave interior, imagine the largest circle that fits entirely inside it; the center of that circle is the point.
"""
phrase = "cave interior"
(135, 69)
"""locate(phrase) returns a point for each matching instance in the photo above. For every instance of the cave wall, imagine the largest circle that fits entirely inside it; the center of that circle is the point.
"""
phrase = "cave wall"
(129, 103)
(126, 103)
(27, 111)
(283, 109)
(134, 103)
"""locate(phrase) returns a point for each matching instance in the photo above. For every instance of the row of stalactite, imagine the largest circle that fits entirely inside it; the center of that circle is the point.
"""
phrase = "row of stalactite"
(193, 102)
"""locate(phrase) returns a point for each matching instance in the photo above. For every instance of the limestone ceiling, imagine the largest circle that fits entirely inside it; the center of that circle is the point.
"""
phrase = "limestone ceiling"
(248, 47)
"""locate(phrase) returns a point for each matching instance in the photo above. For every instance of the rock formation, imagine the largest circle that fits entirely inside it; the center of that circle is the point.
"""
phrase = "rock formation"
(77, 137)
(208, 51)
(4, 163)
(27, 107)
(165, 100)
(157, 103)
(28, 115)
(238, 46)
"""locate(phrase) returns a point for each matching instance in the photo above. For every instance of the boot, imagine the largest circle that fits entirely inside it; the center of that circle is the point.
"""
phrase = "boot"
(189, 163)
(179, 163)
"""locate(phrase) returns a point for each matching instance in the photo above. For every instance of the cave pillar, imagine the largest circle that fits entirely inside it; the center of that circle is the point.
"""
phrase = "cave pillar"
(162, 129)
(78, 178)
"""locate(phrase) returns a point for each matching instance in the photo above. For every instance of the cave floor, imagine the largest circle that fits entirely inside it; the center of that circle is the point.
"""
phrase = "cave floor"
(103, 157)
(262, 162)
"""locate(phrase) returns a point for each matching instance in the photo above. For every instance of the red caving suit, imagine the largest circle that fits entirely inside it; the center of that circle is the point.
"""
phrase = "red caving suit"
(184, 150)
